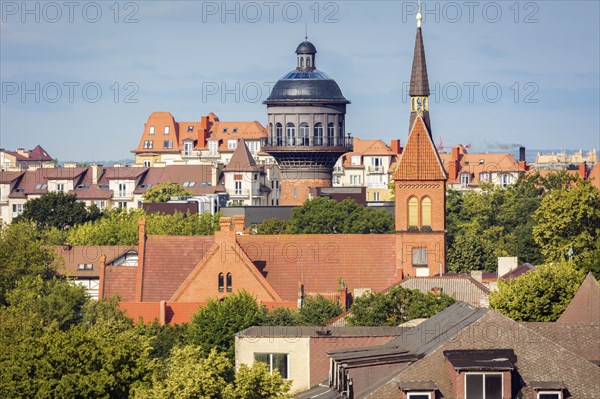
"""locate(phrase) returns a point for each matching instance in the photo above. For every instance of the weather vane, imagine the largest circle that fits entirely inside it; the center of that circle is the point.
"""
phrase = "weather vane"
(419, 15)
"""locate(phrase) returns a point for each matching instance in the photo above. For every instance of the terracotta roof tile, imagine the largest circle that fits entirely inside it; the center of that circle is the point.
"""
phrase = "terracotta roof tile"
(120, 280)
(71, 257)
(420, 160)
(319, 261)
(9, 177)
(200, 176)
(168, 261)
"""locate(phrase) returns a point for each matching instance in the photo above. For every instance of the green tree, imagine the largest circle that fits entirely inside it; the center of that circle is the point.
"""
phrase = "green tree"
(58, 343)
(58, 210)
(280, 317)
(273, 226)
(539, 295)
(120, 227)
(318, 311)
(568, 226)
(162, 338)
(22, 253)
(216, 323)
(257, 382)
(164, 191)
(396, 306)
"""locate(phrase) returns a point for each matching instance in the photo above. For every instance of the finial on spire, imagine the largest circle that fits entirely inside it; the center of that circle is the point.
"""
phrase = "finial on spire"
(306, 31)
(419, 16)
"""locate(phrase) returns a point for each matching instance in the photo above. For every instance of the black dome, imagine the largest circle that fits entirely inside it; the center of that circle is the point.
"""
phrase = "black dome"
(306, 86)
(306, 47)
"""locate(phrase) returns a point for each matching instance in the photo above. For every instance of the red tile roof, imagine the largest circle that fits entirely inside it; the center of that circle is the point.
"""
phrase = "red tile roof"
(320, 261)
(199, 176)
(72, 256)
(419, 160)
(120, 280)
(9, 177)
(168, 261)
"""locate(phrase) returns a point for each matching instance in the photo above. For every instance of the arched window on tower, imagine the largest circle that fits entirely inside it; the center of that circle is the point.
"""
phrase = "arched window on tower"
(278, 134)
(291, 133)
(413, 213)
(308, 61)
(304, 133)
(426, 213)
(228, 283)
(301, 61)
(221, 282)
(318, 138)
(330, 134)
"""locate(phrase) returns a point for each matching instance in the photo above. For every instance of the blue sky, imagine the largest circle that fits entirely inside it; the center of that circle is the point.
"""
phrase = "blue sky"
(505, 73)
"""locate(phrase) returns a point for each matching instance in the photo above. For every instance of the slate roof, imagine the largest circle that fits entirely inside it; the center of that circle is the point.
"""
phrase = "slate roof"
(576, 337)
(462, 288)
(419, 80)
(585, 305)
(71, 257)
(199, 175)
(241, 160)
(536, 359)
(320, 332)
(484, 359)
(419, 160)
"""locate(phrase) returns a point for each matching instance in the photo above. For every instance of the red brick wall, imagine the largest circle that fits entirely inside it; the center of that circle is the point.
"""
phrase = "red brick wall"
(319, 361)
(181, 312)
(302, 187)
(435, 190)
(147, 312)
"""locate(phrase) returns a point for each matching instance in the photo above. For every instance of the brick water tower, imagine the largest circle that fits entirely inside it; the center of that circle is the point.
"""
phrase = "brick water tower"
(306, 125)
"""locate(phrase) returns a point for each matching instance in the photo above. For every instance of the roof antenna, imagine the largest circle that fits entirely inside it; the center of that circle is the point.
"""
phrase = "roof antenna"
(419, 16)
(306, 31)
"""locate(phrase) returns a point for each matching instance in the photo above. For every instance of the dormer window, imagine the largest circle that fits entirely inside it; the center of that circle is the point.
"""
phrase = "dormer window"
(550, 395)
(190, 129)
(167, 129)
(465, 179)
(151, 130)
(235, 129)
(231, 144)
(355, 160)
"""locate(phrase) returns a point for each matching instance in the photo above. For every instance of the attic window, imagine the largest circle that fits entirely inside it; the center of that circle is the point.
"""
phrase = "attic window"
(465, 179)
(83, 186)
(355, 159)
(85, 266)
(189, 184)
(167, 129)
(235, 130)
(224, 130)
(190, 129)
(549, 395)
(103, 186)
(38, 187)
(148, 185)
(20, 190)
(419, 256)
(481, 162)
(231, 144)
(151, 130)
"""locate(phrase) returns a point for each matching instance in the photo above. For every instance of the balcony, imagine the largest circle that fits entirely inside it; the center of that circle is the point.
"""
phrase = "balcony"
(123, 195)
(375, 169)
(306, 142)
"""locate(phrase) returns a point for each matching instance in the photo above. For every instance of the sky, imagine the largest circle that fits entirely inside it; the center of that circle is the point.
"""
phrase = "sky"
(80, 78)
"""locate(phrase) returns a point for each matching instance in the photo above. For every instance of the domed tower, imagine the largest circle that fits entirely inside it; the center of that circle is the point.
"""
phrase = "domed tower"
(306, 111)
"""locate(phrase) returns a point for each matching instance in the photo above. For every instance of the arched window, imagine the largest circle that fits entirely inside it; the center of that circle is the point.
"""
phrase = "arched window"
(413, 213)
(301, 61)
(278, 134)
(426, 212)
(228, 283)
(318, 138)
(330, 134)
(291, 133)
(307, 61)
(304, 132)
(221, 282)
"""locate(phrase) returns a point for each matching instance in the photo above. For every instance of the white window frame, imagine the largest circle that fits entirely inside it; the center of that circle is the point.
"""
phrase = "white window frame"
(60, 187)
(213, 147)
(188, 147)
(231, 144)
(101, 204)
(151, 130)
(17, 209)
(147, 163)
(410, 395)
(559, 393)
(287, 358)
(355, 180)
(167, 129)
(122, 189)
(122, 204)
(505, 179)
(148, 144)
(376, 196)
(465, 179)
(238, 187)
(484, 374)
(355, 160)
(168, 144)
(485, 177)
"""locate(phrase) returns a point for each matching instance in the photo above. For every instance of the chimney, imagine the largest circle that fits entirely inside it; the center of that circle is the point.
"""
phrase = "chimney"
(396, 147)
(102, 275)
(456, 153)
(507, 264)
(582, 170)
(141, 251)
(522, 158)
(238, 222)
(21, 151)
(343, 298)
(96, 173)
(477, 275)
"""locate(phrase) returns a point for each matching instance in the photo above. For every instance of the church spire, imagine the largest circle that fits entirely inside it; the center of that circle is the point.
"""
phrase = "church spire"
(419, 81)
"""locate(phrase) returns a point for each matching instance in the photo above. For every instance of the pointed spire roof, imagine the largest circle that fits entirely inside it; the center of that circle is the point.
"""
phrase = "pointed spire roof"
(585, 305)
(420, 159)
(419, 81)
(241, 160)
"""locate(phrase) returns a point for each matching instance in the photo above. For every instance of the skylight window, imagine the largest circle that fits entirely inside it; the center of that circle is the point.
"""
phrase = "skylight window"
(190, 129)
(189, 184)
(235, 130)
(224, 130)
(38, 187)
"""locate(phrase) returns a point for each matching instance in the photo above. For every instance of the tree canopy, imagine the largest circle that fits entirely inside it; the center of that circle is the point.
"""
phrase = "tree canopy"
(538, 295)
(396, 306)
(120, 227)
(164, 191)
(58, 210)
(328, 216)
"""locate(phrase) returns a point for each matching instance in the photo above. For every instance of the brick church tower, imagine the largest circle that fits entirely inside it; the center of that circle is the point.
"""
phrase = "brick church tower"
(420, 184)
